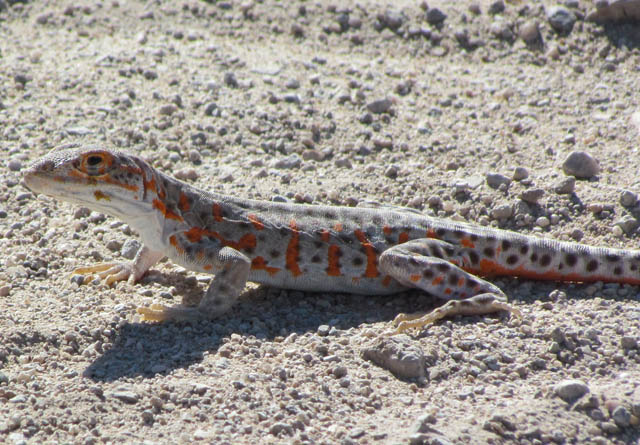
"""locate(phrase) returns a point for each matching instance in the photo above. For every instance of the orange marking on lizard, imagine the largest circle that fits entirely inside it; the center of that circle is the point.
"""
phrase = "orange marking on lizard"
(217, 212)
(100, 195)
(176, 245)
(386, 280)
(466, 242)
(333, 269)
(257, 224)
(370, 252)
(431, 233)
(150, 185)
(414, 278)
(162, 208)
(437, 280)
(461, 281)
(207, 267)
(387, 230)
(325, 235)
(247, 241)
(338, 227)
(258, 263)
(403, 238)
(293, 250)
(183, 203)
(448, 291)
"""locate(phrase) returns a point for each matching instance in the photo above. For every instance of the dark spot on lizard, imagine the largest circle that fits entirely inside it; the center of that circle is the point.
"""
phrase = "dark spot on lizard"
(453, 279)
(315, 259)
(545, 260)
(506, 245)
(617, 270)
(443, 267)
(512, 259)
(474, 257)
(427, 274)
(274, 253)
(524, 249)
(357, 261)
(592, 265)
(489, 252)
(571, 259)
(612, 257)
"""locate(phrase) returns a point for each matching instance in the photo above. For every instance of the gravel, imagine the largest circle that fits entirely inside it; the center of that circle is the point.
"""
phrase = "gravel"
(463, 110)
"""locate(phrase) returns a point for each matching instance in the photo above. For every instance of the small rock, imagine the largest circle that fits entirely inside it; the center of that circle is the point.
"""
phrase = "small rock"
(210, 109)
(520, 173)
(628, 198)
(530, 34)
(502, 211)
(4, 292)
(543, 222)
(126, 396)
(565, 186)
(581, 165)
(292, 84)
(561, 19)
(130, 248)
(495, 180)
(168, 109)
(627, 342)
(391, 172)
(399, 356)
(380, 106)
(292, 161)
(14, 165)
(187, 174)
(571, 390)
(497, 7)
(435, 16)
(230, 79)
(621, 416)
(615, 11)
(532, 196)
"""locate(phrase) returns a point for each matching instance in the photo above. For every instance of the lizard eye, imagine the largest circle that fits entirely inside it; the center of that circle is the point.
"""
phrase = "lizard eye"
(94, 160)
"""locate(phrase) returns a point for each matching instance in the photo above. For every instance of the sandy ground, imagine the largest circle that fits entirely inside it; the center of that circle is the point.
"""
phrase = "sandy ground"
(462, 110)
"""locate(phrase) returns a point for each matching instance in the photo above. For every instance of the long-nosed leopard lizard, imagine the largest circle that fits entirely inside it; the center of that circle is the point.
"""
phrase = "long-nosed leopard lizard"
(305, 247)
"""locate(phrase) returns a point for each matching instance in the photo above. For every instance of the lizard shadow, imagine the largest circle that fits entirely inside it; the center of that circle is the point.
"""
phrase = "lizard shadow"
(267, 314)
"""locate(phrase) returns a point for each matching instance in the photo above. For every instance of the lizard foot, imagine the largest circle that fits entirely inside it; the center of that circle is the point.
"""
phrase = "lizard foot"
(478, 305)
(159, 312)
(109, 272)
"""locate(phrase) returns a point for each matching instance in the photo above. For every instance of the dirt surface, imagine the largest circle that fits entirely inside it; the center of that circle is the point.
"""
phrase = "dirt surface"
(462, 110)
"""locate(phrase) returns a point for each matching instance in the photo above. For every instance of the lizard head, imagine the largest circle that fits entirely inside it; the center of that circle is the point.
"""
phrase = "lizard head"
(103, 180)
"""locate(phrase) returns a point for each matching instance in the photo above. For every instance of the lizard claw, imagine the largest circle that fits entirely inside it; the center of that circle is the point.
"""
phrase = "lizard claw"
(109, 272)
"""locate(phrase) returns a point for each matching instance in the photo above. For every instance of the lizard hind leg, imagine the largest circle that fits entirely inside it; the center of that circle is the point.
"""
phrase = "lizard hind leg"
(434, 266)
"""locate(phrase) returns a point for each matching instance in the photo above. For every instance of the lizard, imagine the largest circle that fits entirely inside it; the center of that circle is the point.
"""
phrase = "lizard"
(372, 251)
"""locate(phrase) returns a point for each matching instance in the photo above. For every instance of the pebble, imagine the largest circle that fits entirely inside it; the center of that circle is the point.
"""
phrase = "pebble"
(621, 416)
(391, 172)
(168, 109)
(5, 291)
(380, 106)
(543, 222)
(399, 356)
(502, 211)
(230, 79)
(130, 248)
(435, 16)
(288, 162)
(14, 165)
(628, 198)
(581, 165)
(187, 174)
(495, 180)
(126, 396)
(497, 7)
(561, 19)
(520, 173)
(530, 34)
(565, 186)
(210, 109)
(628, 224)
(628, 342)
(570, 390)
(532, 196)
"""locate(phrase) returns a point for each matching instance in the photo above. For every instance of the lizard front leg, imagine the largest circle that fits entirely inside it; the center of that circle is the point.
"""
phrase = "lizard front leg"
(231, 269)
(131, 271)
(437, 267)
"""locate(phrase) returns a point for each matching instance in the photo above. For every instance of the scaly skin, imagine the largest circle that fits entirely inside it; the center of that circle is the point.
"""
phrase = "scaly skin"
(314, 248)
